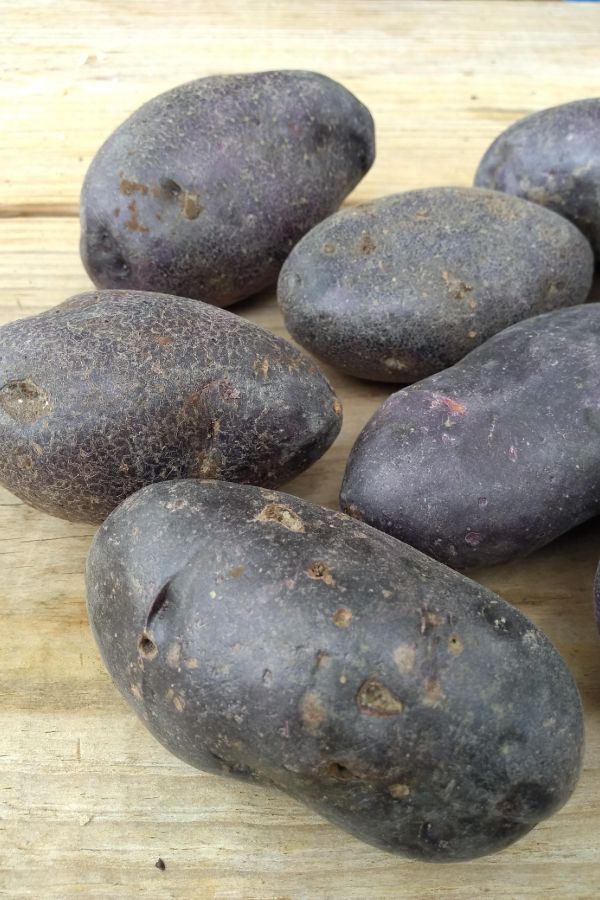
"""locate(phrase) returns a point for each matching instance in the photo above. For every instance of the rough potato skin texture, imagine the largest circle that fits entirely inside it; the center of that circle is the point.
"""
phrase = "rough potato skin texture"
(495, 457)
(205, 189)
(117, 389)
(261, 636)
(403, 287)
(552, 157)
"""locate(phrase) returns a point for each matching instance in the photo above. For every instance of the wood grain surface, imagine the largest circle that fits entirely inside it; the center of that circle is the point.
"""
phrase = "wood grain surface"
(88, 800)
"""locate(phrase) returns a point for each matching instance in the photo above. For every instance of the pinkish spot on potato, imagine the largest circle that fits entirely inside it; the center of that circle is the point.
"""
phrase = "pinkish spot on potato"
(473, 538)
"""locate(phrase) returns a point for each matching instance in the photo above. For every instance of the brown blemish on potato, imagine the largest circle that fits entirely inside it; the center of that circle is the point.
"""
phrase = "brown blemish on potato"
(457, 288)
(399, 791)
(353, 511)
(178, 702)
(191, 663)
(367, 245)
(237, 571)
(453, 405)
(337, 407)
(208, 464)
(328, 249)
(281, 515)
(342, 617)
(147, 647)
(23, 461)
(312, 712)
(340, 772)
(132, 187)
(174, 655)
(163, 340)
(322, 660)
(404, 657)
(455, 645)
(190, 205)
(375, 699)
(429, 619)
(262, 366)
(321, 571)
(133, 222)
(24, 401)
(432, 694)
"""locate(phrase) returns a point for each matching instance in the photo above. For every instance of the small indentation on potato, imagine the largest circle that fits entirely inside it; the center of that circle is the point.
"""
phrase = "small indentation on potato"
(190, 205)
(339, 772)
(328, 249)
(281, 515)
(375, 699)
(320, 570)
(455, 645)
(24, 401)
(147, 647)
(342, 617)
(399, 791)
(267, 676)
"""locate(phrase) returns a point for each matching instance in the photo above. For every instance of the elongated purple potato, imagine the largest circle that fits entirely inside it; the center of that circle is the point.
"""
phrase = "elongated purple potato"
(495, 457)
(117, 389)
(553, 158)
(263, 637)
(205, 189)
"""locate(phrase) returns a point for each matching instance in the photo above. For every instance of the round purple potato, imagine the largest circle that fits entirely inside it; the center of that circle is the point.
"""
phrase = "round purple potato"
(264, 637)
(401, 288)
(495, 457)
(117, 389)
(205, 189)
(552, 157)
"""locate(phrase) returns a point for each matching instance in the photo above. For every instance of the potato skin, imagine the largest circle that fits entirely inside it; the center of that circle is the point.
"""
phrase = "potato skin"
(495, 457)
(552, 157)
(401, 288)
(205, 189)
(113, 390)
(261, 636)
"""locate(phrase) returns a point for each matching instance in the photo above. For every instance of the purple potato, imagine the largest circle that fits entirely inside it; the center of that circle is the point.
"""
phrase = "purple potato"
(205, 189)
(495, 457)
(263, 637)
(117, 389)
(552, 157)
(401, 288)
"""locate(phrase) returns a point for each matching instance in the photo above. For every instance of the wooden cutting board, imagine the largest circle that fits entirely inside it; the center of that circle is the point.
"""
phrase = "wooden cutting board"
(88, 800)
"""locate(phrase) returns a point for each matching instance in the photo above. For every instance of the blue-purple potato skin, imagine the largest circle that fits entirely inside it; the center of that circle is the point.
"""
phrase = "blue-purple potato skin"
(264, 637)
(113, 390)
(400, 288)
(552, 157)
(494, 457)
(205, 189)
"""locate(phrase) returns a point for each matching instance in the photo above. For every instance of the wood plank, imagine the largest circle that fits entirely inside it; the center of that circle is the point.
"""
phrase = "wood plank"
(88, 800)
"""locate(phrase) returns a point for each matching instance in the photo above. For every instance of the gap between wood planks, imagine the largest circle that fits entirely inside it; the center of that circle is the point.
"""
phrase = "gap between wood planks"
(39, 210)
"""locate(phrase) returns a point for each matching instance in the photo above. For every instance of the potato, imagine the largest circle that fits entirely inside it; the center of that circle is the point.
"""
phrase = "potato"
(398, 289)
(117, 389)
(261, 636)
(205, 189)
(552, 157)
(494, 457)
